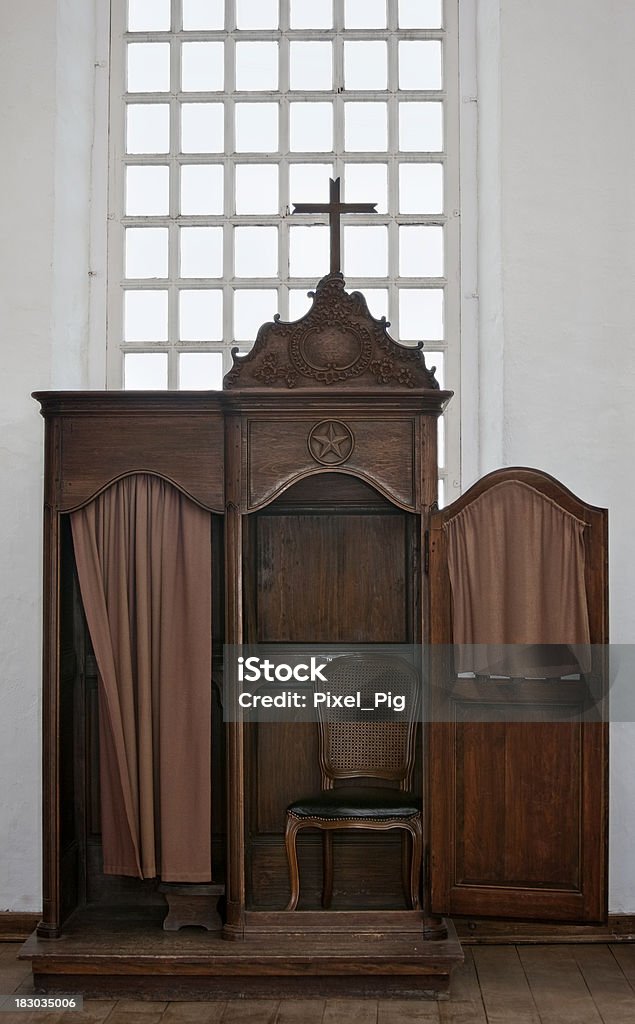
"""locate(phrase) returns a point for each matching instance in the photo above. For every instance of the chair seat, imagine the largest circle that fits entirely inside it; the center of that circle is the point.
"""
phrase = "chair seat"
(372, 802)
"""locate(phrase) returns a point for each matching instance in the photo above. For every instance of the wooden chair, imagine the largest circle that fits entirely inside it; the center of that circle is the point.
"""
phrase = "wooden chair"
(354, 746)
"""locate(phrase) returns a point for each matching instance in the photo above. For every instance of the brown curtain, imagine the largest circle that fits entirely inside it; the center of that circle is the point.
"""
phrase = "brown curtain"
(143, 554)
(516, 565)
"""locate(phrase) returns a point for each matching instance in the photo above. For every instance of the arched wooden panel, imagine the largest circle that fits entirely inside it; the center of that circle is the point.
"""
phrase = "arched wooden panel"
(101, 436)
(518, 798)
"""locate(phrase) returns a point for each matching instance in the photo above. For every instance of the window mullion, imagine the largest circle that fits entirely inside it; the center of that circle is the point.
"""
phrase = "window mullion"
(244, 297)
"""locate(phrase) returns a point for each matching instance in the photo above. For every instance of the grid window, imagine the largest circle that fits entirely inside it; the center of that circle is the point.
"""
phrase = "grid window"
(225, 113)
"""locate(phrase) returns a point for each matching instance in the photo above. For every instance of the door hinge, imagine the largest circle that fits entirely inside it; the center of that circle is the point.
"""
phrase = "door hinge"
(426, 552)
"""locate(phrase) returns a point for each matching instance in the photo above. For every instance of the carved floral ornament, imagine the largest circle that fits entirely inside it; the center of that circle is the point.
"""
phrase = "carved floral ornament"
(336, 342)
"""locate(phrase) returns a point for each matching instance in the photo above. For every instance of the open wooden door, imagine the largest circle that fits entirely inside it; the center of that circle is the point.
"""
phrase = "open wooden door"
(518, 759)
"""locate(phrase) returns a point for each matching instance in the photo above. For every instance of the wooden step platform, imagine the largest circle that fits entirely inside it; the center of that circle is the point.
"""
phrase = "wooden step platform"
(117, 952)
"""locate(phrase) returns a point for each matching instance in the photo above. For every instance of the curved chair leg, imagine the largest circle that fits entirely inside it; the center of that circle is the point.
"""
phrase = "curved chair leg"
(416, 832)
(291, 831)
(327, 868)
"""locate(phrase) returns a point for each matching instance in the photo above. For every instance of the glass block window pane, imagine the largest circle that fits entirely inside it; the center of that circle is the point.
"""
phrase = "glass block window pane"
(365, 127)
(202, 128)
(252, 308)
(146, 252)
(311, 13)
(311, 127)
(145, 371)
(365, 65)
(377, 301)
(365, 13)
(145, 316)
(419, 64)
(311, 65)
(420, 13)
(421, 314)
(256, 13)
(200, 314)
(256, 252)
(201, 252)
(441, 442)
(257, 188)
(420, 188)
(309, 183)
(257, 66)
(148, 15)
(299, 303)
(200, 371)
(148, 67)
(420, 251)
(308, 251)
(366, 251)
(256, 127)
(202, 67)
(229, 114)
(203, 14)
(367, 183)
(436, 361)
(202, 188)
(421, 127)
(147, 191)
(147, 128)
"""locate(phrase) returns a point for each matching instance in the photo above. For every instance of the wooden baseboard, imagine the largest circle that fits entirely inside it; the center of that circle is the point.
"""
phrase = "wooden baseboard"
(490, 931)
(16, 927)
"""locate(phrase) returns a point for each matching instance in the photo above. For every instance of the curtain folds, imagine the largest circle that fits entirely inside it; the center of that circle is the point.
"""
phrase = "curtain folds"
(144, 561)
(516, 564)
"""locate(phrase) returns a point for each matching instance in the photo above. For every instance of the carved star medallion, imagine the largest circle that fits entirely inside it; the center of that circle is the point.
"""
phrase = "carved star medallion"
(331, 442)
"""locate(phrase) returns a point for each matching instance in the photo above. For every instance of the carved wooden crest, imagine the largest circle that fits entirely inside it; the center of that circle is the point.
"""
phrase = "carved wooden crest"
(338, 343)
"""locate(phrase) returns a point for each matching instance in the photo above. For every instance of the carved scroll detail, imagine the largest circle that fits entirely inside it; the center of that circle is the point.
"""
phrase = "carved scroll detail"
(338, 342)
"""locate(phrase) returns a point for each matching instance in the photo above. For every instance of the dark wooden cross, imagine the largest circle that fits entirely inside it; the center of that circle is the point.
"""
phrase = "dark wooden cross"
(335, 208)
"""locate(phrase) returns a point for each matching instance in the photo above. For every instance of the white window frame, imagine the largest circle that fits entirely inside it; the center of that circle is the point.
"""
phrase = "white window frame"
(456, 298)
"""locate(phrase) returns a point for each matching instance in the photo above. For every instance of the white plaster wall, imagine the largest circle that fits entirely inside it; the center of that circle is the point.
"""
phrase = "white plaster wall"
(46, 72)
(567, 301)
(556, 270)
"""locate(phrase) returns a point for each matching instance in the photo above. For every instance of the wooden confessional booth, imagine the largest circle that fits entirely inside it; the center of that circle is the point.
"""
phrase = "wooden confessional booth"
(312, 478)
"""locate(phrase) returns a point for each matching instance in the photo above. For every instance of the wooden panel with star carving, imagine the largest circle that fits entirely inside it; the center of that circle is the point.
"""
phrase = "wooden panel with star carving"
(381, 451)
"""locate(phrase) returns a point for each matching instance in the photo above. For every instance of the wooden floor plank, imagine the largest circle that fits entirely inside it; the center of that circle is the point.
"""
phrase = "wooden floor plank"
(624, 954)
(611, 992)
(557, 985)
(95, 1012)
(350, 1011)
(135, 1011)
(9, 951)
(25, 988)
(191, 1013)
(465, 1005)
(51, 1017)
(407, 1011)
(504, 987)
(12, 974)
(250, 1011)
(300, 1011)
